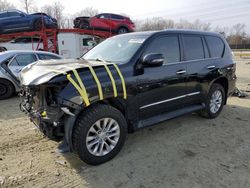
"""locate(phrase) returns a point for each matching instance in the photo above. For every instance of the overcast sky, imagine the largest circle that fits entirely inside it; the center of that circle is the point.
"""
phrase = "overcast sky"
(222, 13)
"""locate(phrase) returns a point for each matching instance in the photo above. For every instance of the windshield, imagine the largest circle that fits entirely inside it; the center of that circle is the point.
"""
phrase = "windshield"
(118, 49)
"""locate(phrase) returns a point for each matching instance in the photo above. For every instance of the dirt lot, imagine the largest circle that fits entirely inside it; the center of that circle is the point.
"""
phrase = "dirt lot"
(185, 152)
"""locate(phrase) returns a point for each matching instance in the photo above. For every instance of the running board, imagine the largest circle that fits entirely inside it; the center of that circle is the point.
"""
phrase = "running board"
(169, 115)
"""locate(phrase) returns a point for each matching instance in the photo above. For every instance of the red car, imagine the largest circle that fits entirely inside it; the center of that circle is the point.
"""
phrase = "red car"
(106, 22)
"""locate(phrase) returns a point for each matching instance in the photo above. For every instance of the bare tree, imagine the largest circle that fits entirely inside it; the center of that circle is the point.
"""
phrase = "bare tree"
(156, 23)
(88, 11)
(56, 11)
(28, 5)
(237, 34)
(5, 5)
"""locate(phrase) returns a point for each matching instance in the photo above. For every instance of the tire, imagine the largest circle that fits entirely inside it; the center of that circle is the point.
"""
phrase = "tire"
(3, 49)
(86, 128)
(84, 25)
(38, 25)
(6, 89)
(216, 95)
(122, 30)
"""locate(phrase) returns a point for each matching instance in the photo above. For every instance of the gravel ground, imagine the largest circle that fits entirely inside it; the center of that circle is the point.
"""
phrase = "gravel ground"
(185, 152)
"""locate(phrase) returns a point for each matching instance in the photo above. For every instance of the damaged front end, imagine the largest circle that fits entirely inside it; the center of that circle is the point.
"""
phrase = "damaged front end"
(42, 86)
(42, 105)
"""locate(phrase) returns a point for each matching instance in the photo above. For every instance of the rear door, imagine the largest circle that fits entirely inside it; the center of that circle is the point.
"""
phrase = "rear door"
(162, 89)
(201, 67)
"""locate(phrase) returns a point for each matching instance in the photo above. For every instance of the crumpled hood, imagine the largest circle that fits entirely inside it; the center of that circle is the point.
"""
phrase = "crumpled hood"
(43, 71)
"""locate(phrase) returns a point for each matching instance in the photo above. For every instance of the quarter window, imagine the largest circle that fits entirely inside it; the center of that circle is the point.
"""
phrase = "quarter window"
(193, 48)
(168, 46)
(215, 45)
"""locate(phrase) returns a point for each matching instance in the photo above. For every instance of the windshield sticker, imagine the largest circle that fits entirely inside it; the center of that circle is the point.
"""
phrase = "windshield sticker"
(139, 41)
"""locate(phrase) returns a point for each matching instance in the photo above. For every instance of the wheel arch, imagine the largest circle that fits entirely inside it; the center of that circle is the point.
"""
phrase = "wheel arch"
(122, 26)
(223, 81)
(118, 103)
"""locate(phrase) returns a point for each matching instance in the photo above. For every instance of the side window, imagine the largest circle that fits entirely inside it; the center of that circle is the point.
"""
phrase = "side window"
(116, 17)
(193, 47)
(13, 14)
(215, 45)
(23, 60)
(47, 57)
(104, 16)
(4, 15)
(166, 45)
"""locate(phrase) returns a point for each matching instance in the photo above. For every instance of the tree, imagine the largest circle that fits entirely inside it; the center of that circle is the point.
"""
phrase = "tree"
(29, 5)
(88, 11)
(237, 34)
(56, 11)
(5, 5)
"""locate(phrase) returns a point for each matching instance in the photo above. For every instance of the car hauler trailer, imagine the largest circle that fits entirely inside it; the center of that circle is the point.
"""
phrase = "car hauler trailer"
(70, 43)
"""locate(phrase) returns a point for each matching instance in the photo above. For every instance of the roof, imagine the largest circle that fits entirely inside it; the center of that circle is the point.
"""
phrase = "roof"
(186, 31)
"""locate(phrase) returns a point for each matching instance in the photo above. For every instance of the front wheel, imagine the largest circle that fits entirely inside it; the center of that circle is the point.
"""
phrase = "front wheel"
(214, 102)
(6, 89)
(99, 134)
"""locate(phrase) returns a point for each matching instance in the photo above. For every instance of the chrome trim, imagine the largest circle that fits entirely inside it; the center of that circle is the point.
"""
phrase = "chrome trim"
(190, 61)
(171, 99)
(157, 60)
(211, 67)
(181, 72)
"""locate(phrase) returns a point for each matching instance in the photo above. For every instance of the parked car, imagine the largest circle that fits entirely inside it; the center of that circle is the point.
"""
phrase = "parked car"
(17, 21)
(106, 22)
(125, 83)
(11, 63)
(25, 43)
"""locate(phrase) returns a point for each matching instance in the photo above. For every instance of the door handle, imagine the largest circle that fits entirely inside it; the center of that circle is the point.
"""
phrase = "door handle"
(181, 72)
(211, 67)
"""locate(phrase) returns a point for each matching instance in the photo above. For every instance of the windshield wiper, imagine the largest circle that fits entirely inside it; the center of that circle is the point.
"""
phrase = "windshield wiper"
(99, 59)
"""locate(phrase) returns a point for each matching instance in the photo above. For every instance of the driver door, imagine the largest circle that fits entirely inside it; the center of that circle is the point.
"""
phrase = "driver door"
(161, 89)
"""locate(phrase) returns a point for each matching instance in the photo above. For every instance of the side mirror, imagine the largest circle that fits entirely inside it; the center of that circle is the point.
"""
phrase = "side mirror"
(153, 60)
(22, 15)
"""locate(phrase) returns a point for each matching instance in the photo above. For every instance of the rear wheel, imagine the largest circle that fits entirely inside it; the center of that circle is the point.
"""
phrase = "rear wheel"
(122, 30)
(215, 101)
(6, 89)
(99, 134)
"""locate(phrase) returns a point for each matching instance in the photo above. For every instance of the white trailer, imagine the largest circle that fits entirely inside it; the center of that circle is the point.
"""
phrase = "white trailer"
(74, 45)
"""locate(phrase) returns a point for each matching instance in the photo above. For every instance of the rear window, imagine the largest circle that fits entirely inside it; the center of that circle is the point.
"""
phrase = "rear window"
(193, 47)
(215, 45)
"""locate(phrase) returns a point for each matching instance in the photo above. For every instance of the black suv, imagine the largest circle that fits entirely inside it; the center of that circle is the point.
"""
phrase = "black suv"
(125, 83)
